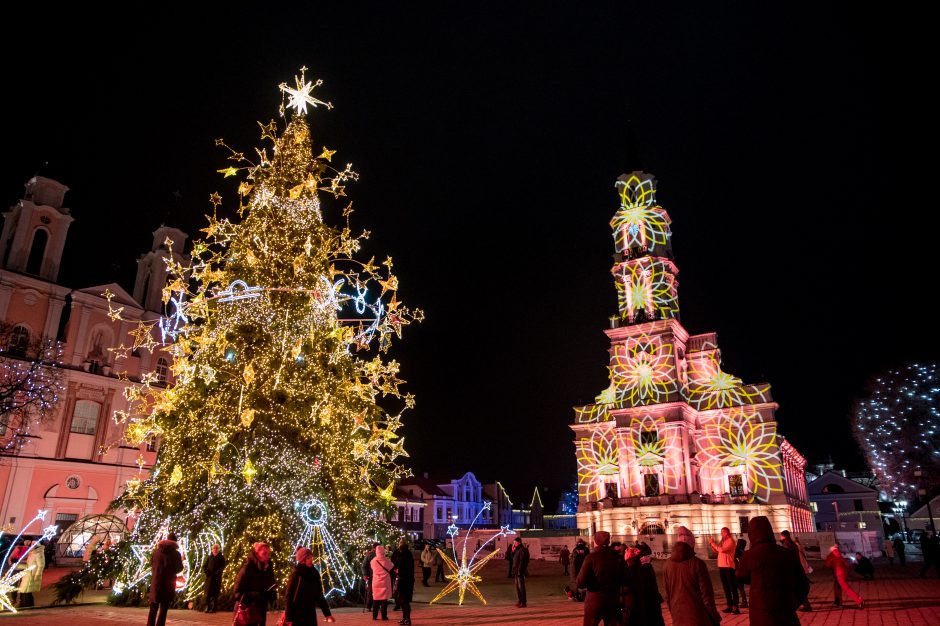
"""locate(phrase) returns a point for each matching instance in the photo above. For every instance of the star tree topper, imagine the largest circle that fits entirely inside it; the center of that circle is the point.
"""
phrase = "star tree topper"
(300, 97)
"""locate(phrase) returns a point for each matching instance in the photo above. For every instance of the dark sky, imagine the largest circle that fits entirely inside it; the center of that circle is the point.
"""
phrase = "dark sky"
(793, 148)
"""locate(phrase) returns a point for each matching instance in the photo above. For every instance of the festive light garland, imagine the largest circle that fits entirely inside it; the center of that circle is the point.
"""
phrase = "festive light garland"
(463, 577)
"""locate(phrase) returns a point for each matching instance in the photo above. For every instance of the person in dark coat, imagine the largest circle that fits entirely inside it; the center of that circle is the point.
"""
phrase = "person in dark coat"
(688, 585)
(520, 569)
(404, 562)
(787, 542)
(439, 567)
(367, 574)
(165, 564)
(212, 567)
(602, 574)
(738, 553)
(642, 600)
(255, 583)
(778, 582)
(930, 549)
(564, 557)
(899, 550)
(509, 547)
(863, 567)
(579, 553)
(305, 593)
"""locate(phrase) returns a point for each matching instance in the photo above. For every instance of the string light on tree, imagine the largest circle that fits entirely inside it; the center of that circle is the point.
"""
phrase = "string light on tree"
(898, 427)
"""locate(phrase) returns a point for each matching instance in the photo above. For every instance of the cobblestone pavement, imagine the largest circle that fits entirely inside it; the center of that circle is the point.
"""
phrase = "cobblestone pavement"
(897, 597)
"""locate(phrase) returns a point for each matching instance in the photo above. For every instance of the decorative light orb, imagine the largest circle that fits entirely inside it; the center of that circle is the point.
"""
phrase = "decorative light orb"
(313, 513)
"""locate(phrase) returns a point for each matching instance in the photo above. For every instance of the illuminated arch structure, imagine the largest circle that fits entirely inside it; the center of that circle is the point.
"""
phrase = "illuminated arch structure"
(673, 439)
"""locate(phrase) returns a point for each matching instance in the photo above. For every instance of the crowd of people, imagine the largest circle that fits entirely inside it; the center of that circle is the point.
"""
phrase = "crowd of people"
(618, 585)
(616, 582)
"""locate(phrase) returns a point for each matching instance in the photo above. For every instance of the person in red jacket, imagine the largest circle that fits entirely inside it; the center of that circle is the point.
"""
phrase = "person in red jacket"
(725, 548)
(840, 568)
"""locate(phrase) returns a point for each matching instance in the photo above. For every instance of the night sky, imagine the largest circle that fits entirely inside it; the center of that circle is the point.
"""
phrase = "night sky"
(793, 150)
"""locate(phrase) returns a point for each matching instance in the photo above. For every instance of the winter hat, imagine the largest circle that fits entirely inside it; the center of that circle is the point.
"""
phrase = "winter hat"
(518, 540)
(685, 535)
(302, 554)
(833, 548)
(601, 538)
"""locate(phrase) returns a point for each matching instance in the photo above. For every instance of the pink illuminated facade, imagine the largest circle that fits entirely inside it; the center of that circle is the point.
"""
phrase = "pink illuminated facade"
(72, 464)
(674, 440)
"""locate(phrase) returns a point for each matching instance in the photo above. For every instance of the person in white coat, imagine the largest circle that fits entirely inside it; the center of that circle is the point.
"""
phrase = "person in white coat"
(32, 581)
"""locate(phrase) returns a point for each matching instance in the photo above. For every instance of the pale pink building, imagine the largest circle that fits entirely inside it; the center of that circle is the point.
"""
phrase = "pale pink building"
(674, 440)
(70, 464)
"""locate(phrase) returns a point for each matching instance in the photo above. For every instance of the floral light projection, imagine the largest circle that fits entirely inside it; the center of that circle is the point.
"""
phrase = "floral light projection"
(464, 577)
(654, 446)
(641, 371)
(711, 388)
(9, 574)
(639, 223)
(597, 457)
(739, 438)
(647, 285)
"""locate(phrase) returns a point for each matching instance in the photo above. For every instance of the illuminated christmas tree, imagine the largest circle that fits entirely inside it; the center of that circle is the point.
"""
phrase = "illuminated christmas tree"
(898, 428)
(278, 335)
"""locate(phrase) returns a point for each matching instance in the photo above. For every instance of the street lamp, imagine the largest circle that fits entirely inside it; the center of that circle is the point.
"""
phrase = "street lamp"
(922, 491)
(900, 507)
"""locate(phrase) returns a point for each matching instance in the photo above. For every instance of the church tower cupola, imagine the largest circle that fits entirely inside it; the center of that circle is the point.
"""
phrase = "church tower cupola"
(644, 273)
(34, 230)
(151, 267)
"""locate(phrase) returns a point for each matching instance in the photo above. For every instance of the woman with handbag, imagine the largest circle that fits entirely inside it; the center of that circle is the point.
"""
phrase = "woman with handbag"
(381, 582)
(254, 587)
(305, 593)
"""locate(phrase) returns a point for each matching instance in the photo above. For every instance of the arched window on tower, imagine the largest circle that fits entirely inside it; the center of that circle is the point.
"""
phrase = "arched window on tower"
(37, 251)
(19, 341)
(163, 370)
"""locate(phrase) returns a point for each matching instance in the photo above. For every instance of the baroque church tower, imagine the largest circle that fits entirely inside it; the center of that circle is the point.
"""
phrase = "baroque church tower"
(674, 440)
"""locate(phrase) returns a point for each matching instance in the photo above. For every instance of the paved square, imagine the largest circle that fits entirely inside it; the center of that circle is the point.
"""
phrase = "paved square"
(896, 598)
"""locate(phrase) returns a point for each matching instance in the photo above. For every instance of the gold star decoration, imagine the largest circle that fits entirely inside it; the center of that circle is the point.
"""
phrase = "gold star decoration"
(268, 131)
(300, 96)
(228, 171)
(385, 493)
(463, 577)
(215, 199)
(327, 154)
(249, 472)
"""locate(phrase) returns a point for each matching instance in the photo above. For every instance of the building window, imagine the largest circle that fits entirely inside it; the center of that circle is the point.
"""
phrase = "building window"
(163, 369)
(651, 484)
(742, 524)
(85, 417)
(64, 520)
(648, 439)
(37, 251)
(152, 444)
(610, 490)
(401, 513)
(652, 528)
(736, 485)
(859, 506)
(19, 341)
(439, 513)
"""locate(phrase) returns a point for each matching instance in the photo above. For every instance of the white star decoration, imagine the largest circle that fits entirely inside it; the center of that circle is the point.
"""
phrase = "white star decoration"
(300, 97)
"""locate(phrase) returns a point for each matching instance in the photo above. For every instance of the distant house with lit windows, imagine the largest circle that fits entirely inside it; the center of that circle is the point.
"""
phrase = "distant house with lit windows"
(842, 503)
(68, 464)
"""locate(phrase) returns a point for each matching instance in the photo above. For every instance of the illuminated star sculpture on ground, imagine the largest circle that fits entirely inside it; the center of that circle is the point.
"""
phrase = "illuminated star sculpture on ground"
(9, 577)
(463, 576)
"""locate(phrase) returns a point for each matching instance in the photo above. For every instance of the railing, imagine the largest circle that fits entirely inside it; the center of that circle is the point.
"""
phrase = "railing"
(664, 499)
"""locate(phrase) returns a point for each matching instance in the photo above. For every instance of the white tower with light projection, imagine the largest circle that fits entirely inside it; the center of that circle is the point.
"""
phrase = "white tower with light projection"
(674, 440)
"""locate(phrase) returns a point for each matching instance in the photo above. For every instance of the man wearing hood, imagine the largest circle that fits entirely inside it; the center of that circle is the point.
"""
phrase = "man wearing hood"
(778, 583)
(165, 564)
(688, 586)
(602, 574)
